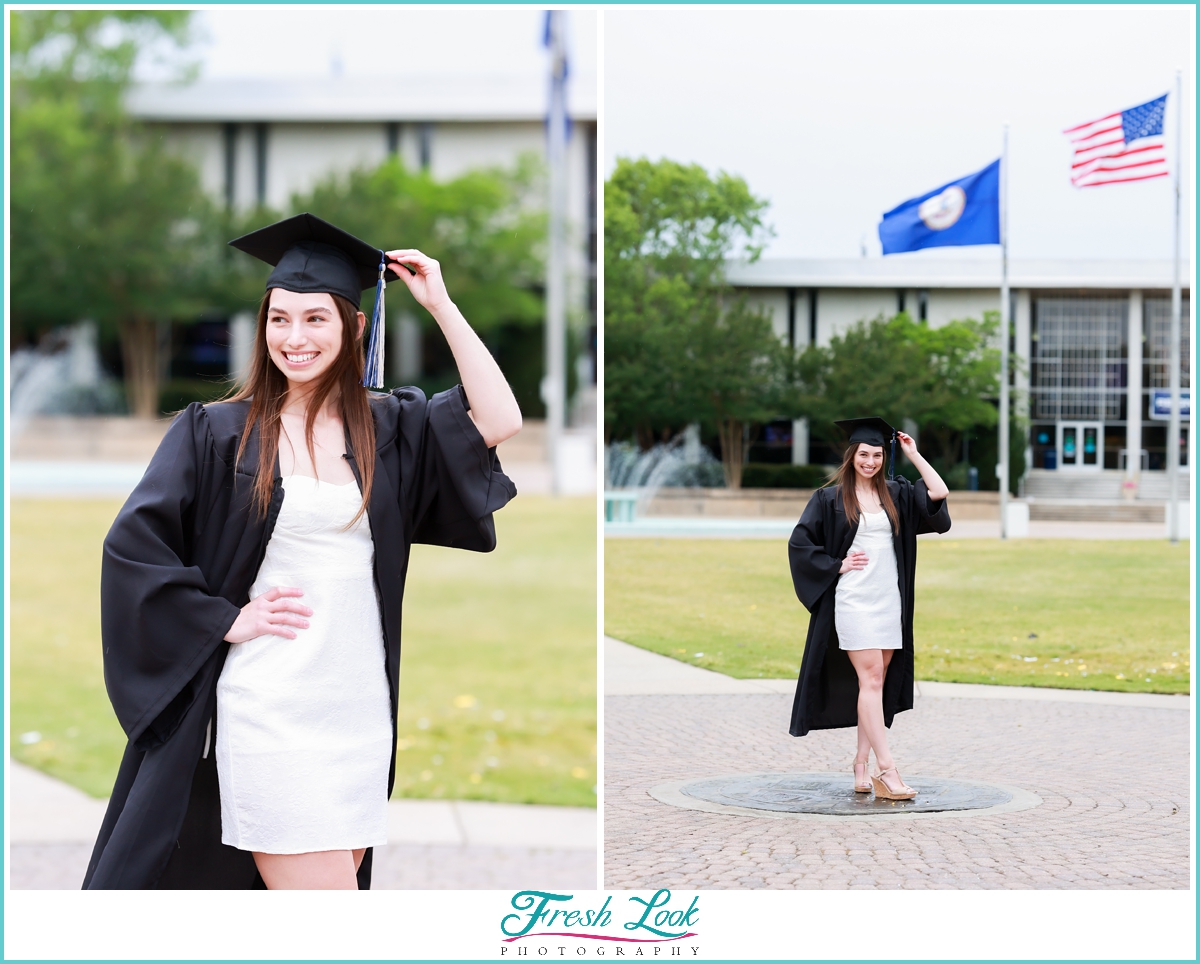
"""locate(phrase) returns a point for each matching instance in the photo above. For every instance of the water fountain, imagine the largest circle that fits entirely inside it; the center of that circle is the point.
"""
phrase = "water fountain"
(632, 476)
(61, 376)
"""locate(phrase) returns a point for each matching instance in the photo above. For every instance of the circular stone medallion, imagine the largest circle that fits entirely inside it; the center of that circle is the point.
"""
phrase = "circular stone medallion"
(832, 795)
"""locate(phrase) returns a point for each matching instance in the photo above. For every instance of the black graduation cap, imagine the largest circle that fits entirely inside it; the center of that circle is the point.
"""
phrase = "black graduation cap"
(872, 431)
(310, 254)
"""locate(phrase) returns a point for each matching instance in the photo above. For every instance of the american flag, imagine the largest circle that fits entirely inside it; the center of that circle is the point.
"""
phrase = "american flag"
(1125, 146)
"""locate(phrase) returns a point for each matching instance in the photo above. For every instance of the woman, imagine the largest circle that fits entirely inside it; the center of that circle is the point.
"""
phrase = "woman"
(853, 556)
(251, 586)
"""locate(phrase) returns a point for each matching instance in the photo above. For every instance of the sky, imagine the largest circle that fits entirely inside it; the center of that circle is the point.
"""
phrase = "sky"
(837, 114)
(283, 41)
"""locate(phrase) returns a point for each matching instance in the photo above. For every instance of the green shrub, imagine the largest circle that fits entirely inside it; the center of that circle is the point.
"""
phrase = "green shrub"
(764, 475)
(178, 393)
(956, 476)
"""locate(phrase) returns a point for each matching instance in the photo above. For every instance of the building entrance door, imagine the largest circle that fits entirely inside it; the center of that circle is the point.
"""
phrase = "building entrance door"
(1081, 445)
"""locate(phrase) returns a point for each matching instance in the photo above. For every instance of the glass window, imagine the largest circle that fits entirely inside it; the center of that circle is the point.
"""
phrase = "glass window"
(1158, 342)
(1079, 369)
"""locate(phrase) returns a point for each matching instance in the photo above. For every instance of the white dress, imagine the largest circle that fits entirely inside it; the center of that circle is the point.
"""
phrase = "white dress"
(304, 730)
(866, 608)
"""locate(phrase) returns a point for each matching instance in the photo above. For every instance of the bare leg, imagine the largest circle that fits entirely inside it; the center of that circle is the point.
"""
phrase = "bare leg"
(863, 750)
(871, 667)
(862, 760)
(323, 870)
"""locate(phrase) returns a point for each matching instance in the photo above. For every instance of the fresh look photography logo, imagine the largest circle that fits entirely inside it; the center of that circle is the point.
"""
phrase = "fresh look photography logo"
(541, 923)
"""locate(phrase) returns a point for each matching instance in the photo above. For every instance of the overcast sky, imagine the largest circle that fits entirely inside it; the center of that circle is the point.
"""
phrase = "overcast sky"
(837, 114)
(295, 41)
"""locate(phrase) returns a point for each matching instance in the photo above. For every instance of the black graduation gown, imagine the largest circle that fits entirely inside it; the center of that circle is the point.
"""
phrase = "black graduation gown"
(178, 565)
(827, 691)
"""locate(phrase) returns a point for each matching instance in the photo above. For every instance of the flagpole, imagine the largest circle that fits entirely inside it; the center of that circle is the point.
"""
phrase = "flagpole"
(1004, 299)
(1173, 526)
(554, 383)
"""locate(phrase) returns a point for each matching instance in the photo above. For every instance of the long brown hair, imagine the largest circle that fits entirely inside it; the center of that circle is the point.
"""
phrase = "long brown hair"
(847, 480)
(265, 388)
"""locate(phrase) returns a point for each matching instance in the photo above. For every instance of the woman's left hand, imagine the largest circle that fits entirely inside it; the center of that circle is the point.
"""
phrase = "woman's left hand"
(426, 286)
(907, 445)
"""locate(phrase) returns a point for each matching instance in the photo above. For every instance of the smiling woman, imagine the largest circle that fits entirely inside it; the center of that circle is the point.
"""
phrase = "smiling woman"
(853, 559)
(251, 593)
(302, 337)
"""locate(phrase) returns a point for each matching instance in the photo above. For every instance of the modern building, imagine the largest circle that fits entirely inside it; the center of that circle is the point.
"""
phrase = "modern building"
(1090, 346)
(261, 141)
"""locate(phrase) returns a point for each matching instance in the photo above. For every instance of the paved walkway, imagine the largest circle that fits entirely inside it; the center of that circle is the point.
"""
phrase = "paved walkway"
(432, 845)
(80, 479)
(107, 456)
(1113, 771)
(668, 527)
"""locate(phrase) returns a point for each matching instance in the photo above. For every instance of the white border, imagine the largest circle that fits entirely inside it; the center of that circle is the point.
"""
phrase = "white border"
(464, 924)
(599, 448)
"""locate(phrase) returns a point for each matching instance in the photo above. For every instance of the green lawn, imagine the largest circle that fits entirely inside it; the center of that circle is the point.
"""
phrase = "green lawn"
(497, 679)
(1029, 612)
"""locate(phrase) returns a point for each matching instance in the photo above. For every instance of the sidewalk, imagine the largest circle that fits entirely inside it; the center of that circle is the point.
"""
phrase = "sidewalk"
(668, 527)
(103, 456)
(632, 671)
(453, 844)
(1113, 771)
(117, 479)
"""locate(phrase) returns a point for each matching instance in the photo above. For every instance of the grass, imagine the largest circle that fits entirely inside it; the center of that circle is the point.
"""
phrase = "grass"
(497, 678)
(1073, 614)
(56, 681)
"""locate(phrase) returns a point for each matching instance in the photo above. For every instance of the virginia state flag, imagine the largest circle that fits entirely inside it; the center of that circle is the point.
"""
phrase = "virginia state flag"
(966, 211)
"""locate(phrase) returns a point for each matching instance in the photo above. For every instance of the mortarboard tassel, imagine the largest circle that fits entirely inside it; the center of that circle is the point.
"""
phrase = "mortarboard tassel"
(373, 369)
(892, 460)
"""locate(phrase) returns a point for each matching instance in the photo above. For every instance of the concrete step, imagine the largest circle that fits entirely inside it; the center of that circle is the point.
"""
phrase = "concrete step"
(1100, 485)
(78, 445)
(1155, 485)
(117, 479)
(671, 502)
(1114, 510)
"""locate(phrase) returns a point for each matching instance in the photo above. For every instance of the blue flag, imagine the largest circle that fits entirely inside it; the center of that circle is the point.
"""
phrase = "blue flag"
(966, 211)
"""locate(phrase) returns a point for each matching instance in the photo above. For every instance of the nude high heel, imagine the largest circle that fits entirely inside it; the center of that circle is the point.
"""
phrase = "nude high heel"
(885, 792)
(862, 787)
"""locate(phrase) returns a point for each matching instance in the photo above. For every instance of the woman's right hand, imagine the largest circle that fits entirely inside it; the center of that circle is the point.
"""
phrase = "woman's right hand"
(855, 560)
(269, 615)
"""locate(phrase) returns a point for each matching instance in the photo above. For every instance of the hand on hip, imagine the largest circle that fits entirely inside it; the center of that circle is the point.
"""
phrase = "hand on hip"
(270, 615)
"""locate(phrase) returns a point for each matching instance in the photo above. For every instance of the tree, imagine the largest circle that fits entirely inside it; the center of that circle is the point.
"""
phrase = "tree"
(484, 229)
(479, 225)
(106, 223)
(680, 345)
(736, 366)
(945, 379)
(963, 384)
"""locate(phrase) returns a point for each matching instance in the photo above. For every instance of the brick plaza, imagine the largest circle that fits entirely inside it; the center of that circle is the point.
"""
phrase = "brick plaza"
(1113, 776)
